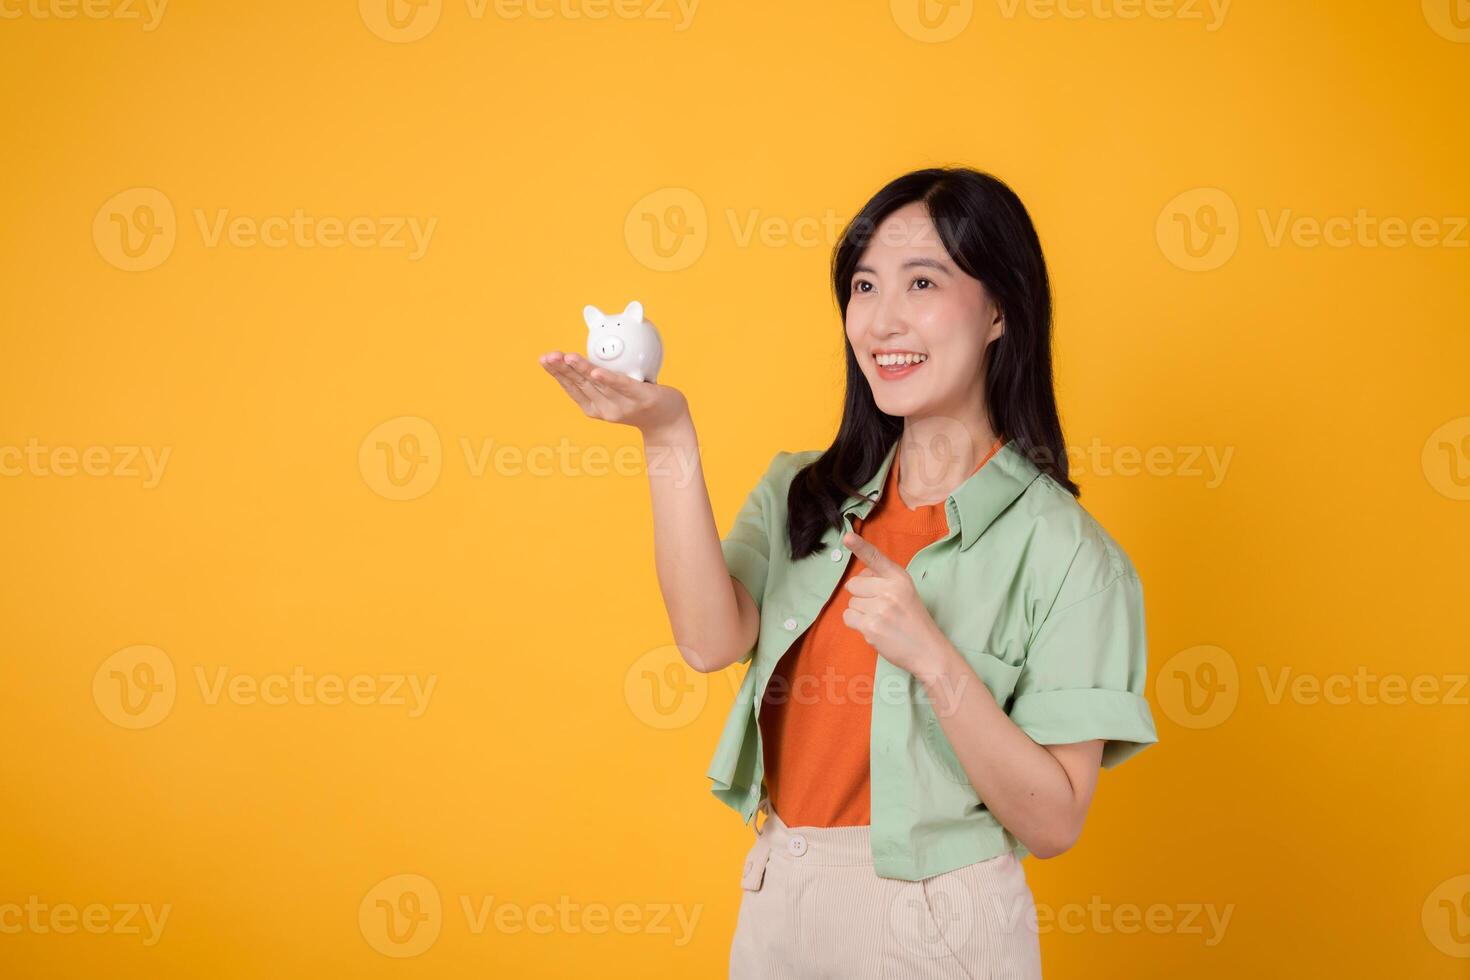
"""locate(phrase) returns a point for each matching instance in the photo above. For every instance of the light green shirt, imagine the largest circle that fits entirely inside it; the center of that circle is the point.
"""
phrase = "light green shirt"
(1038, 598)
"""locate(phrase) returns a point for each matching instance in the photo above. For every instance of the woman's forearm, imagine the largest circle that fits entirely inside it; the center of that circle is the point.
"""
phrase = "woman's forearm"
(692, 575)
(1021, 782)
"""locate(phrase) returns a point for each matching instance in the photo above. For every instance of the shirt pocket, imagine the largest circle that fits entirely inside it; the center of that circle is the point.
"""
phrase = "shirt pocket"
(998, 675)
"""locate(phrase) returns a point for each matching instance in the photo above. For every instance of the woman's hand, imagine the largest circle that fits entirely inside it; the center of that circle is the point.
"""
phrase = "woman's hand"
(602, 394)
(885, 607)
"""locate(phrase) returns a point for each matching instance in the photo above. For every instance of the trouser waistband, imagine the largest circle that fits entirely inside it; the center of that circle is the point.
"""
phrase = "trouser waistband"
(814, 845)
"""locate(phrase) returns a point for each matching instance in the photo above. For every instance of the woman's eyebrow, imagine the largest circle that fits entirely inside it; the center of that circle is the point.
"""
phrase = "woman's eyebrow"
(921, 261)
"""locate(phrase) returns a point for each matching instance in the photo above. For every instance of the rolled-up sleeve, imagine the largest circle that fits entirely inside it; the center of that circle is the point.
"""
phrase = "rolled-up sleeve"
(1085, 674)
(747, 547)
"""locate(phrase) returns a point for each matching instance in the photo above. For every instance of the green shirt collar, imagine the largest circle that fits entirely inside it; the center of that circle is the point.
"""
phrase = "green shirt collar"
(975, 503)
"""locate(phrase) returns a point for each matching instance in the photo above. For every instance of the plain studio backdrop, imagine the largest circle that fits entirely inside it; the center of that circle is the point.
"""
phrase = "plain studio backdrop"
(330, 641)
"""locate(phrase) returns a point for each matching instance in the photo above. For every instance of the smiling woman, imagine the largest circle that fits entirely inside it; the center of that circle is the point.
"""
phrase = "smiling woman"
(1008, 672)
(944, 646)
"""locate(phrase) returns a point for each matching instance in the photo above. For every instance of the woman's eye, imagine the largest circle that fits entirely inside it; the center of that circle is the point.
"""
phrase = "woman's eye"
(922, 279)
(858, 286)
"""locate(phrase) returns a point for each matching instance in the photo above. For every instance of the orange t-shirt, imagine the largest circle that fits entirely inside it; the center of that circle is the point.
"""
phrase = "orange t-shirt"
(816, 713)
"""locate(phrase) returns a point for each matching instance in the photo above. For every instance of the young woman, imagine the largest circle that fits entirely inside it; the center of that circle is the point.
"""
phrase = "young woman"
(944, 646)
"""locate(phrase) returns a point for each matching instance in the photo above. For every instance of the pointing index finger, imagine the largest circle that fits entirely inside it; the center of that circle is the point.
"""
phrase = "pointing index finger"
(871, 556)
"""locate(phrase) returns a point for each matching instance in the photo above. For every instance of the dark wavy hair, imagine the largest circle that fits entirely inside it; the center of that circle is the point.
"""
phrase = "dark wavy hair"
(989, 235)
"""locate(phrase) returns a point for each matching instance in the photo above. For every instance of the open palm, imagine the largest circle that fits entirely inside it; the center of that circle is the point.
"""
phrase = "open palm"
(615, 397)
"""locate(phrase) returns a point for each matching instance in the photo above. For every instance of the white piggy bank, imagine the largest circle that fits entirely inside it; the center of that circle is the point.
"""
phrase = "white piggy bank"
(624, 342)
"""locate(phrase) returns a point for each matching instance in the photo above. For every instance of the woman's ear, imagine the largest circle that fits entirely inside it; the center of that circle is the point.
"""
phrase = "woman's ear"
(997, 326)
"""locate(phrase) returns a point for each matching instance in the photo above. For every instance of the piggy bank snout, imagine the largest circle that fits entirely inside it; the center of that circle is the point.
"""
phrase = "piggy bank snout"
(607, 347)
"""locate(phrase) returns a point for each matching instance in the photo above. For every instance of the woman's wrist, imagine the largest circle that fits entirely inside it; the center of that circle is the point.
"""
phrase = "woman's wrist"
(945, 675)
(677, 433)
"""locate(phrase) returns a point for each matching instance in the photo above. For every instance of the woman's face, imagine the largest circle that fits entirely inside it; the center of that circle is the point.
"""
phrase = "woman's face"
(909, 298)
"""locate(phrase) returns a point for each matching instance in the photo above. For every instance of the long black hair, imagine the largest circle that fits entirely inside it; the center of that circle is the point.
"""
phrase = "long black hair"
(989, 235)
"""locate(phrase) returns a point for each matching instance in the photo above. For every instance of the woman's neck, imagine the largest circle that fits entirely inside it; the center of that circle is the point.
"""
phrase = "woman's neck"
(938, 454)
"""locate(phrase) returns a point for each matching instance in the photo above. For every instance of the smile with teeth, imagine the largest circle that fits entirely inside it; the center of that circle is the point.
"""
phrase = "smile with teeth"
(897, 364)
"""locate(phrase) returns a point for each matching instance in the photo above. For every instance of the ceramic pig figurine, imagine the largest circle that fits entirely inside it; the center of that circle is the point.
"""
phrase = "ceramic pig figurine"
(624, 342)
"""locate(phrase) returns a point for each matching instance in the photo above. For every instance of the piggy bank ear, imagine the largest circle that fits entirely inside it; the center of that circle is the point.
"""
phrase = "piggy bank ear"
(634, 311)
(592, 315)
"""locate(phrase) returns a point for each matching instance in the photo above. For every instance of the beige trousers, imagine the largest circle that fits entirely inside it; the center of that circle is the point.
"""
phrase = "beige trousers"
(812, 907)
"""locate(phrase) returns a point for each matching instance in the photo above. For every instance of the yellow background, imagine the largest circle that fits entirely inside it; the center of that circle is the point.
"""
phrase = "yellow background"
(546, 149)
